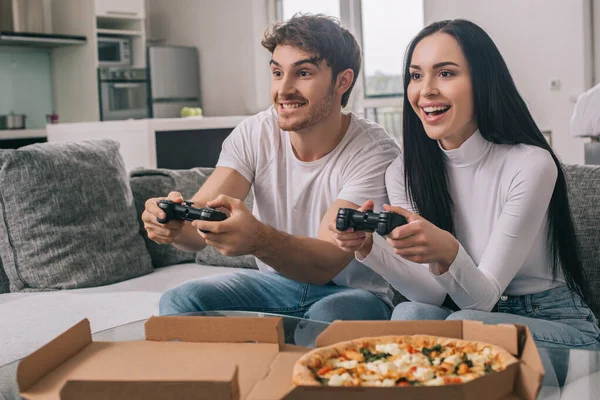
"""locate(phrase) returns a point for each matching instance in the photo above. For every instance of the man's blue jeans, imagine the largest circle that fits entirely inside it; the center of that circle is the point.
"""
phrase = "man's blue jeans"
(555, 318)
(251, 290)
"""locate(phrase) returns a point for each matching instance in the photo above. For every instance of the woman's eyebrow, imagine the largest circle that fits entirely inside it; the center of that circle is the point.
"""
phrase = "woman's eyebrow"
(438, 65)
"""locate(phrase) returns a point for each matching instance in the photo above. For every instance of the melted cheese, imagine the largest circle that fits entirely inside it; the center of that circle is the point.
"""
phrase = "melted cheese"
(339, 380)
(390, 348)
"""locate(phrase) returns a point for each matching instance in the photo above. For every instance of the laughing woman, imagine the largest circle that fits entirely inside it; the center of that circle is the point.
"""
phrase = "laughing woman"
(485, 197)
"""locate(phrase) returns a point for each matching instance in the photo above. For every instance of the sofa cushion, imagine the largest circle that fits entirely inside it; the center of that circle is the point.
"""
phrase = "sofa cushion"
(106, 307)
(69, 220)
(4, 282)
(148, 183)
(584, 199)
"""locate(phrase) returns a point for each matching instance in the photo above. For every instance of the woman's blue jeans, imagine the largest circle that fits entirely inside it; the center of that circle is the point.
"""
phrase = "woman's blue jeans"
(555, 317)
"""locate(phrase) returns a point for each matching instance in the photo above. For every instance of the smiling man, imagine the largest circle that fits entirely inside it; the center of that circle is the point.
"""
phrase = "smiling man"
(303, 158)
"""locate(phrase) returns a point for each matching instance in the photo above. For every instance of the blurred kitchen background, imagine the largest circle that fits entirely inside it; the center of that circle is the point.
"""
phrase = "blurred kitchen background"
(69, 61)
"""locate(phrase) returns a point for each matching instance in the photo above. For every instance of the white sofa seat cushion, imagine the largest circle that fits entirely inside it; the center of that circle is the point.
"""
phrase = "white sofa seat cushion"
(30, 320)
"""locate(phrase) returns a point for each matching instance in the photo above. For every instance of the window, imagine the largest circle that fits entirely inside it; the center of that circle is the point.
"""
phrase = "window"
(387, 28)
(383, 28)
(287, 8)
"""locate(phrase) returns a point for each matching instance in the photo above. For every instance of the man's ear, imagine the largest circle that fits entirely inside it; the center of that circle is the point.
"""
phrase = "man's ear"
(344, 81)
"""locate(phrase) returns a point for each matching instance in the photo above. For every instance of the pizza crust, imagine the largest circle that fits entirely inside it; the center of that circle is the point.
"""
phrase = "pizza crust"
(303, 375)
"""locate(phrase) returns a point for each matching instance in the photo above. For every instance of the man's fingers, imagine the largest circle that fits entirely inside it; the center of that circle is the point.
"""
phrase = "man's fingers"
(212, 226)
(163, 231)
(215, 240)
(156, 237)
(227, 202)
(152, 207)
(175, 196)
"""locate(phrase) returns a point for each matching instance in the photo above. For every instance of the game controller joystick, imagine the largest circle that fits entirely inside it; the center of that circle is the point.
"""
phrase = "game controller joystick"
(388, 221)
(382, 223)
(186, 212)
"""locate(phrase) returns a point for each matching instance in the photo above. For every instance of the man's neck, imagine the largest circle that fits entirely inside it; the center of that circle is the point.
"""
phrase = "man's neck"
(316, 142)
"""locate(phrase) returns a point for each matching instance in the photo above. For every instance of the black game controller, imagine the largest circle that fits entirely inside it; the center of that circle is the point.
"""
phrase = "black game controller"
(186, 212)
(382, 223)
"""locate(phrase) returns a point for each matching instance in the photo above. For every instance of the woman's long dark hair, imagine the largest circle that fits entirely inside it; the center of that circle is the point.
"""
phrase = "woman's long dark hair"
(502, 117)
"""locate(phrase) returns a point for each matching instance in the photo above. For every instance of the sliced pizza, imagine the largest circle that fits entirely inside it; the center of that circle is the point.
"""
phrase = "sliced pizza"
(417, 360)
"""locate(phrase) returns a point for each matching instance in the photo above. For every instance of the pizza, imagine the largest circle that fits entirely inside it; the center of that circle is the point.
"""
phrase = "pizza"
(417, 360)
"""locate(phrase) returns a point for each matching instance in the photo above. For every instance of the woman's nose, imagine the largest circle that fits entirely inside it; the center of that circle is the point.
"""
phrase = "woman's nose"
(428, 88)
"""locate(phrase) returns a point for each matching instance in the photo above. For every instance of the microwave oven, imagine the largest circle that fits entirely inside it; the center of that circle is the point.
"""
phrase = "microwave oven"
(114, 51)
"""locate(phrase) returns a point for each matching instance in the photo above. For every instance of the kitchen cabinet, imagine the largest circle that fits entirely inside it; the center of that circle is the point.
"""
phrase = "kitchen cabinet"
(15, 138)
(179, 143)
(120, 8)
(75, 68)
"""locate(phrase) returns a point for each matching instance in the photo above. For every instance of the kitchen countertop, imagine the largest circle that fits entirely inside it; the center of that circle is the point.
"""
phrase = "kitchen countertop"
(154, 124)
(7, 134)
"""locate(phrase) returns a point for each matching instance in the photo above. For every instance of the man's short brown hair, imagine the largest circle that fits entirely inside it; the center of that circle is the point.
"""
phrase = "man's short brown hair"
(323, 36)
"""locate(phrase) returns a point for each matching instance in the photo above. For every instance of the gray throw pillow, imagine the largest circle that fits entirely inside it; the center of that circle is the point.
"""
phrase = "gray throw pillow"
(148, 183)
(69, 220)
(4, 282)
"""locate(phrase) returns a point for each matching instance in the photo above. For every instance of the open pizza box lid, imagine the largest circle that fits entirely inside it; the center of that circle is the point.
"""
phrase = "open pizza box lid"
(246, 358)
(518, 381)
(181, 358)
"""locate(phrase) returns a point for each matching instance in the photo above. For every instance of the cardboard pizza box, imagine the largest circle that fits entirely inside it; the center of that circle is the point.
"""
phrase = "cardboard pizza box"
(246, 358)
(519, 381)
(180, 358)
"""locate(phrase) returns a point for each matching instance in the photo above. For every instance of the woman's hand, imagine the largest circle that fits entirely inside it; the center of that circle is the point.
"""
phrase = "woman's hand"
(422, 242)
(354, 241)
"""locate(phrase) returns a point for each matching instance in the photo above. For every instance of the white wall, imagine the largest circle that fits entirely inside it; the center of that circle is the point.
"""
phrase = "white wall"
(540, 40)
(234, 71)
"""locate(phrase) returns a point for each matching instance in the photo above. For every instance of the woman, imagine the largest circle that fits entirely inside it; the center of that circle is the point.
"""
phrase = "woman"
(485, 198)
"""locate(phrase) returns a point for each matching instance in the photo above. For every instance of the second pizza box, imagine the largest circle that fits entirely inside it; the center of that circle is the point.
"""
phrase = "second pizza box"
(245, 358)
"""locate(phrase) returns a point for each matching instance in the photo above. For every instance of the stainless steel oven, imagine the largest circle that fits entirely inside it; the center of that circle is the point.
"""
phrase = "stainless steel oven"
(123, 93)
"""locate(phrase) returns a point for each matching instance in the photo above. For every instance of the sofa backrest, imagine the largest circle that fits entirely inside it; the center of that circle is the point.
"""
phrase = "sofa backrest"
(584, 197)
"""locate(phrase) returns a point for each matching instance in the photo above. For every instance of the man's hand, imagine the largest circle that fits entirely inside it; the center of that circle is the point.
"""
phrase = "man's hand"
(239, 234)
(421, 241)
(354, 241)
(161, 233)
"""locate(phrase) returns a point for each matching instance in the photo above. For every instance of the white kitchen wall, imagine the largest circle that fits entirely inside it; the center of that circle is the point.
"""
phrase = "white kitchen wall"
(540, 40)
(234, 70)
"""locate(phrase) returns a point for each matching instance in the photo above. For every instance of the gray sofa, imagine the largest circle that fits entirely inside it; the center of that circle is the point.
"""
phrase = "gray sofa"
(36, 310)
(29, 318)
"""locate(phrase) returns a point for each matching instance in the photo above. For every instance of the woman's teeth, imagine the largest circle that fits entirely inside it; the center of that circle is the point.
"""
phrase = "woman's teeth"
(436, 110)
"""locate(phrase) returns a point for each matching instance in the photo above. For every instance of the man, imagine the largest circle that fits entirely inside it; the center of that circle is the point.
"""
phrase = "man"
(304, 159)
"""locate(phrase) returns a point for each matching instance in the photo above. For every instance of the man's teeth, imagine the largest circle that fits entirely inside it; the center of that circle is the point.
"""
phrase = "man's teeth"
(432, 109)
(294, 105)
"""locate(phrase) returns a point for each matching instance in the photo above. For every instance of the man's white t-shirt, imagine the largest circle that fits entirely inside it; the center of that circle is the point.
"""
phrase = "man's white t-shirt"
(293, 196)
